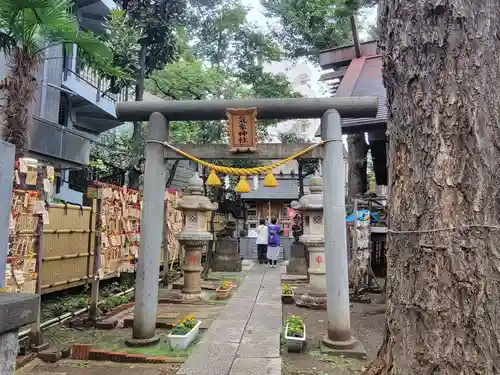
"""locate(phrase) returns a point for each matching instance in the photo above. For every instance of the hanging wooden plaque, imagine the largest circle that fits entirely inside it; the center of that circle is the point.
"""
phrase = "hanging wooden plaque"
(242, 129)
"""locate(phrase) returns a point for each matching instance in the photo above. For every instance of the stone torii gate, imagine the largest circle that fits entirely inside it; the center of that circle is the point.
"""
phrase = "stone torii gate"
(330, 110)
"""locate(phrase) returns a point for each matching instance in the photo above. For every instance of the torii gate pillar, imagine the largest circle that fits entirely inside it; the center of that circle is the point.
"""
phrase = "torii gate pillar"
(339, 339)
(148, 270)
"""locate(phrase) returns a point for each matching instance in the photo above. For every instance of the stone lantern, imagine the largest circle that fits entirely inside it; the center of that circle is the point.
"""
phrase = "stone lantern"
(194, 235)
(313, 237)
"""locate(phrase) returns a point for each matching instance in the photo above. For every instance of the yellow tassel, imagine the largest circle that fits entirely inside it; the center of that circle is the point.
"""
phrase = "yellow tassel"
(242, 186)
(270, 181)
(213, 180)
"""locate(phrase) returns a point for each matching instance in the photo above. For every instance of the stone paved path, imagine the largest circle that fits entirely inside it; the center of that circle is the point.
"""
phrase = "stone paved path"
(245, 338)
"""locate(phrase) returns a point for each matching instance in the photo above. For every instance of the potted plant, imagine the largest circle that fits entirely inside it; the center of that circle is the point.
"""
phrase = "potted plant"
(184, 332)
(224, 290)
(286, 294)
(378, 228)
(295, 333)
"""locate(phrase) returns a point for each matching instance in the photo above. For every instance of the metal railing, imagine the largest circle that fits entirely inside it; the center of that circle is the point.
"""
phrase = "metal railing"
(101, 84)
(58, 141)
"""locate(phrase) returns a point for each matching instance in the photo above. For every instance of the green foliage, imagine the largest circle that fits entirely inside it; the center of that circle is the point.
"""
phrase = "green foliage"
(184, 326)
(309, 26)
(226, 40)
(294, 136)
(35, 25)
(160, 22)
(112, 302)
(222, 58)
(186, 79)
(286, 290)
(295, 325)
(122, 37)
(225, 285)
(28, 28)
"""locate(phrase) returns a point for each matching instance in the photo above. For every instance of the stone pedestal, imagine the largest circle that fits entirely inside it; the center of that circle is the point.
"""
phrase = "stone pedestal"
(316, 296)
(194, 236)
(227, 256)
(313, 237)
(16, 310)
(297, 264)
(191, 290)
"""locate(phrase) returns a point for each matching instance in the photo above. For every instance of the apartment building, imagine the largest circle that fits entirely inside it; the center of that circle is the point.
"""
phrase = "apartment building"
(73, 104)
(302, 80)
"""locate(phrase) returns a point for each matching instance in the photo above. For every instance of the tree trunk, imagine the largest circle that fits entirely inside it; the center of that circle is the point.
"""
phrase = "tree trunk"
(19, 87)
(166, 252)
(210, 247)
(357, 149)
(301, 180)
(441, 72)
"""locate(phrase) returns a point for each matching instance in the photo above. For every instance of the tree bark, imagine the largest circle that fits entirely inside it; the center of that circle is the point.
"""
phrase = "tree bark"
(357, 149)
(19, 87)
(301, 180)
(441, 70)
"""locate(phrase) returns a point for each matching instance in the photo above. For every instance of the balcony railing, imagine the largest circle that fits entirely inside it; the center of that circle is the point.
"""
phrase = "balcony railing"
(101, 84)
(54, 140)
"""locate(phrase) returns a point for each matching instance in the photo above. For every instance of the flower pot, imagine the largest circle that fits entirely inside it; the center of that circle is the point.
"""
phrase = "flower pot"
(378, 229)
(295, 344)
(224, 293)
(178, 342)
(287, 299)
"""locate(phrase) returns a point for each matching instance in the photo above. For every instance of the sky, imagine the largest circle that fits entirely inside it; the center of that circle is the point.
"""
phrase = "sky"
(369, 16)
(255, 15)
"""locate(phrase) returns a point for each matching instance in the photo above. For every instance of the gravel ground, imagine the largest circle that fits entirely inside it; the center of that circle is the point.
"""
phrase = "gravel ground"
(70, 367)
(367, 323)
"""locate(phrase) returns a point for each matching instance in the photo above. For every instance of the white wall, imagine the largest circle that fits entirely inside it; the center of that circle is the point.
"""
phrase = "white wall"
(303, 79)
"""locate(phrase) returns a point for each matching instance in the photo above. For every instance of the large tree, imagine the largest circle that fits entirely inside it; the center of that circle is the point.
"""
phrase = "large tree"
(27, 29)
(441, 68)
(308, 26)
(144, 36)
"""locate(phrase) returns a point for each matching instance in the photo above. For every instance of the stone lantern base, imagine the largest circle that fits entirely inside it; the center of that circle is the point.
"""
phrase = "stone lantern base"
(316, 297)
(313, 300)
(193, 245)
(227, 256)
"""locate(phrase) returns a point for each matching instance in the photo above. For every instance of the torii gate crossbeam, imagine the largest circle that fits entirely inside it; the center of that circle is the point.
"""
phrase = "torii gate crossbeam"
(330, 110)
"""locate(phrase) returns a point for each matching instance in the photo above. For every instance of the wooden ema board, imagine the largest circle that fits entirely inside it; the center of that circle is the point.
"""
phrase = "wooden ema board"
(174, 226)
(242, 129)
(120, 228)
(120, 232)
(20, 275)
(32, 185)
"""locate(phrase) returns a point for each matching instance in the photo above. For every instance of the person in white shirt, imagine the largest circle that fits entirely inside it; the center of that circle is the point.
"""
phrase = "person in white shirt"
(262, 238)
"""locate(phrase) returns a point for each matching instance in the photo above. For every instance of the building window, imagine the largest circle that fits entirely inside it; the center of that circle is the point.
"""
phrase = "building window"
(63, 110)
(193, 165)
(78, 180)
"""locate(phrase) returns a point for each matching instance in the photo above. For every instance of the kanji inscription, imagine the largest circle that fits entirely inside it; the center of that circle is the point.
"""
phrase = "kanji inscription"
(242, 131)
(191, 259)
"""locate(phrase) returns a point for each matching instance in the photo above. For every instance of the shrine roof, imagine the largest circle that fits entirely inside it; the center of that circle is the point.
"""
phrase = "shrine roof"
(287, 190)
(364, 78)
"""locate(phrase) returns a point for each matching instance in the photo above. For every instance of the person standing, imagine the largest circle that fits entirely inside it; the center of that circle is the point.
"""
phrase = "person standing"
(262, 235)
(273, 242)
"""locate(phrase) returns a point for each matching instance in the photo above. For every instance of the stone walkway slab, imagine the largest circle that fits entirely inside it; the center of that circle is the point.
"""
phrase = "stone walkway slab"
(210, 358)
(256, 366)
(245, 338)
(260, 344)
(225, 330)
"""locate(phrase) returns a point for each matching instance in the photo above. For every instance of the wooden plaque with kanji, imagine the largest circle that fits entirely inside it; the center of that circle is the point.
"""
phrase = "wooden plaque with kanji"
(242, 129)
